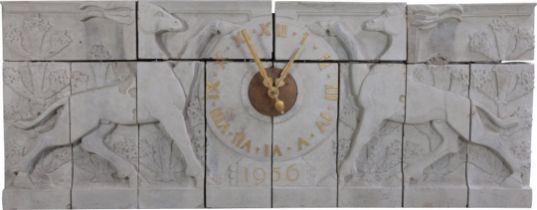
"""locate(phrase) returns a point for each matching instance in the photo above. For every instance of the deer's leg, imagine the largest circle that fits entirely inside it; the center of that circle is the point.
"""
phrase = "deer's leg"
(449, 145)
(174, 125)
(94, 142)
(369, 124)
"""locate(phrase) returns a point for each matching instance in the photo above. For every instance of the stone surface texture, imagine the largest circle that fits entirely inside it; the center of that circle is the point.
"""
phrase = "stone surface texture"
(158, 104)
(499, 158)
(166, 27)
(69, 30)
(472, 32)
(369, 144)
(43, 177)
(304, 160)
(434, 152)
(238, 140)
(106, 160)
(377, 29)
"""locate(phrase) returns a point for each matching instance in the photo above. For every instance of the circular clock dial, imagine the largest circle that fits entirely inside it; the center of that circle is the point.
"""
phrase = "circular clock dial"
(311, 115)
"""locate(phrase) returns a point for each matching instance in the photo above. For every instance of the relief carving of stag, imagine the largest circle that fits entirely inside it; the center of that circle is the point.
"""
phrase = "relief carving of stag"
(163, 102)
(380, 100)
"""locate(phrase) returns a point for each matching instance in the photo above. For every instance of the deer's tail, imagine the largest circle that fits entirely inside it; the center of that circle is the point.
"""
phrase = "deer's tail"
(503, 123)
(27, 124)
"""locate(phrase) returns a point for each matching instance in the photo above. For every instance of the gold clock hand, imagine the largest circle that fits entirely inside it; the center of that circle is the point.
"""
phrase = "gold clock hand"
(267, 81)
(279, 104)
(280, 82)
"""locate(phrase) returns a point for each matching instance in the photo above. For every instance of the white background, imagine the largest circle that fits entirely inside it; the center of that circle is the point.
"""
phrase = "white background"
(534, 128)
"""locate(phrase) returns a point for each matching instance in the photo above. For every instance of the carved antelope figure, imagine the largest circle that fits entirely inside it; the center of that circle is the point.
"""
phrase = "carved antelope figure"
(379, 98)
(163, 102)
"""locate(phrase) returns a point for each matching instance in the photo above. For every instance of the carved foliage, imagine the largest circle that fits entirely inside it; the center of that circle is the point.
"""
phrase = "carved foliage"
(503, 41)
(505, 91)
(29, 89)
(160, 160)
(35, 37)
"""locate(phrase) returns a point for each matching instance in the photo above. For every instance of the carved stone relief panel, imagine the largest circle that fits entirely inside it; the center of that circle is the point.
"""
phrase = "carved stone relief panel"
(225, 104)
(103, 126)
(172, 134)
(239, 139)
(304, 140)
(434, 152)
(371, 113)
(471, 32)
(38, 153)
(166, 27)
(357, 31)
(499, 157)
(69, 30)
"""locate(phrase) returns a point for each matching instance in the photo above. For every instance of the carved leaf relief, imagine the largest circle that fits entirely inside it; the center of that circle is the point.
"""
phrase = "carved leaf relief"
(29, 89)
(503, 41)
(35, 37)
(506, 91)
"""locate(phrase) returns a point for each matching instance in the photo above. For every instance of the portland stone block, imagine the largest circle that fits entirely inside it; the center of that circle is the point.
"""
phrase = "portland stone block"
(371, 113)
(499, 158)
(304, 160)
(238, 140)
(172, 134)
(357, 31)
(166, 27)
(38, 162)
(103, 120)
(436, 135)
(69, 30)
(473, 32)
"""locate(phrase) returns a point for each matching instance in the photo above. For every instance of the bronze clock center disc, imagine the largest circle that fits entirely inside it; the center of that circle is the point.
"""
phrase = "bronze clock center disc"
(259, 98)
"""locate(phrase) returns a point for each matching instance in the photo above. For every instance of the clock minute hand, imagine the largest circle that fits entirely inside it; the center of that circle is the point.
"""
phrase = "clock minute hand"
(280, 82)
(279, 104)
(267, 81)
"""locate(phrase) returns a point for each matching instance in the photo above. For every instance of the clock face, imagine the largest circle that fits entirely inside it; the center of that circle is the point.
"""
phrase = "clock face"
(232, 113)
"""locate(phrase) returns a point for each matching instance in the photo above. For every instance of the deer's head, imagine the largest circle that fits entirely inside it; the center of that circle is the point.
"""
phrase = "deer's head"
(154, 19)
(391, 21)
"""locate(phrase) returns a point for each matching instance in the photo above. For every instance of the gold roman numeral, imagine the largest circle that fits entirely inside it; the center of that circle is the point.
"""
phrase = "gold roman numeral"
(213, 90)
(324, 58)
(241, 142)
(323, 121)
(302, 142)
(265, 29)
(331, 92)
(281, 30)
(217, 115)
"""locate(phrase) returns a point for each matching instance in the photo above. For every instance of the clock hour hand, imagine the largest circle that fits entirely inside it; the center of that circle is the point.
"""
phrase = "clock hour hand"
(267, 80)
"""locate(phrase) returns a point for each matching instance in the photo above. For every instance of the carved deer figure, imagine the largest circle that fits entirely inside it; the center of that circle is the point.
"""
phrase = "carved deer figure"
(390, 23)
(163, 102)
(155, 22)
(380, 100)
